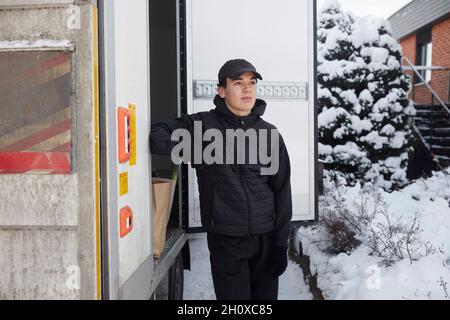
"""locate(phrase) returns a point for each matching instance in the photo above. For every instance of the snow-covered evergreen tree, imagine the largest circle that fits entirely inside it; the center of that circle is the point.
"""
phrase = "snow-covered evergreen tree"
(364, 132)
(386, 90)
(340, 71)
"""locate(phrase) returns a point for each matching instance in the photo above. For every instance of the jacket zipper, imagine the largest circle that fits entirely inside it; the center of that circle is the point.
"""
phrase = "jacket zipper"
(241, 124)
(248, 203)
(211, 205)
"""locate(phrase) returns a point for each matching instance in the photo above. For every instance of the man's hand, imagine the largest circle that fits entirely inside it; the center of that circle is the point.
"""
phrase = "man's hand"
(277, 263)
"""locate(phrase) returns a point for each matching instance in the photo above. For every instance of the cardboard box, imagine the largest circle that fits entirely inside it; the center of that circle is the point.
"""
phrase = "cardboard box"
(162, 199)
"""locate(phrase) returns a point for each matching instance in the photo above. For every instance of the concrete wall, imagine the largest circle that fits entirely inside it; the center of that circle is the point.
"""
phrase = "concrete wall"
(48, 223)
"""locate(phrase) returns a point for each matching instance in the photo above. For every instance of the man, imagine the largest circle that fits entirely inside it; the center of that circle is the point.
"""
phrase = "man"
(246, 214)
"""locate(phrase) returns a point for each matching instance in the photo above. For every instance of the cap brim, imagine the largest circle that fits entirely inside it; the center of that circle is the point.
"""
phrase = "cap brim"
(238, 74)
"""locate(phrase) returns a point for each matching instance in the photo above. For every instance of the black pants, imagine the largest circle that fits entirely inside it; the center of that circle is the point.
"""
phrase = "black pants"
(239, 267)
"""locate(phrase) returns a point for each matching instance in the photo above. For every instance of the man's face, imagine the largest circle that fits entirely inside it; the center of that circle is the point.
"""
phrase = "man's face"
(240, 94)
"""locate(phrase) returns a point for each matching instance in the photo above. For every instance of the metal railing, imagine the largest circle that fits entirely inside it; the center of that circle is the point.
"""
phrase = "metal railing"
(434, 97)
(416, 71)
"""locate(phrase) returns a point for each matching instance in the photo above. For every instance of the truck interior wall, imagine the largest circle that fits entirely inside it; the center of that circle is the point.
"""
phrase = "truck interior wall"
(163, 81)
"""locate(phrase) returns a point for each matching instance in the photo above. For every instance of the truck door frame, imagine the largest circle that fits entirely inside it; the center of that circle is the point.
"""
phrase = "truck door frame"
(140, 283)
(145, 274)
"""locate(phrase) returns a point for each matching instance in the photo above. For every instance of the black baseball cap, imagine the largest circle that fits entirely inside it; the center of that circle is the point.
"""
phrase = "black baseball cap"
(234, 68)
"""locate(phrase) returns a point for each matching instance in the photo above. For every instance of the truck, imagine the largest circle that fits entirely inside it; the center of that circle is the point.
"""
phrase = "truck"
(82, 82)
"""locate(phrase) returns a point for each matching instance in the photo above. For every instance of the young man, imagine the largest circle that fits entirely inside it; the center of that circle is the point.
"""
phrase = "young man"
(246, 213)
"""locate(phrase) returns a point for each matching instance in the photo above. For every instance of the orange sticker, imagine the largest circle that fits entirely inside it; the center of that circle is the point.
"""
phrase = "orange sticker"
(126, 221)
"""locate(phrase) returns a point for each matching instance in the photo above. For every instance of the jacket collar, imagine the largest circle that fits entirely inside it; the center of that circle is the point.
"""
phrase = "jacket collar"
(257, 111)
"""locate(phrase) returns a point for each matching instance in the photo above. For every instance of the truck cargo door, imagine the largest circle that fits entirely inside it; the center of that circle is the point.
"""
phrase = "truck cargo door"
(126, 119)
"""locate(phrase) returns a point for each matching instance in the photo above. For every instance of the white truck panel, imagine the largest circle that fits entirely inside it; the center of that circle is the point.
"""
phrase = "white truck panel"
(278, 40)
(132, 85)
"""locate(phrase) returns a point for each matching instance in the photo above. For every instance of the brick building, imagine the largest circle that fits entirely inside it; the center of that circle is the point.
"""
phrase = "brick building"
(423, 30)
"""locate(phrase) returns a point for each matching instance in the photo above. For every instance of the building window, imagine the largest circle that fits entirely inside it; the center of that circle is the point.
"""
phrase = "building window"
(424, 54)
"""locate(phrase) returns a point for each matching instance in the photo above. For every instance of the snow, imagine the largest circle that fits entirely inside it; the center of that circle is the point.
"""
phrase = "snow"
(340, 68)
(390, 42)
(365, 95)
(340, 132)
(324, 93)
(41, 43)
(198, 283)
(388, 130)
(363, 33)
(393, 162)
(398, 141)
(399, 175)
(372, 86)
(349, 96)
(325, 151)
(375, 140)
(393, 63)
(360, 275)
(359, 125)
(329, 116)
(398, 107)
(334, 4)
(378, 23)
(381, 105)
(377, 55)
(333, 37)
(348, 151)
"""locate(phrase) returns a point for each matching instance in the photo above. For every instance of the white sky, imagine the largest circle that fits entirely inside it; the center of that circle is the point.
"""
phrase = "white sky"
(379, 8)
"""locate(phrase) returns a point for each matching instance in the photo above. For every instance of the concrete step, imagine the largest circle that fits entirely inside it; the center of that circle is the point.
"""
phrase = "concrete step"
(437, 132)
(441, 141)
(438, 122)
(444, 161)
(435, 113)
(440, 150)
(435, 106)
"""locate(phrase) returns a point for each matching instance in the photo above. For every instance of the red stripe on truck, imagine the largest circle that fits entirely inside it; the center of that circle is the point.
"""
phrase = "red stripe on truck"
(23, 162)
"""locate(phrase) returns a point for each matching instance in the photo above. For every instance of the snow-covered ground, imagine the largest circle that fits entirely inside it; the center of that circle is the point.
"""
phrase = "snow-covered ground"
(198, 283)
(360, 275)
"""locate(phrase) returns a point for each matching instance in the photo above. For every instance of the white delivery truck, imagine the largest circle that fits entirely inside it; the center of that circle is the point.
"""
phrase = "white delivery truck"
(81, 82)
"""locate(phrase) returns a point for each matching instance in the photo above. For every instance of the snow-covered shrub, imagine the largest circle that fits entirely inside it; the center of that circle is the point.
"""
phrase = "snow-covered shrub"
(340, 226)
(393, 240)
(366, 220)
(365, 273)
(364, 112)
(345, 227)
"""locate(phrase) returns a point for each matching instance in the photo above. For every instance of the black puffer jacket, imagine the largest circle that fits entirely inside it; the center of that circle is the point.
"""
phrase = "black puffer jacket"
(235, 199)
